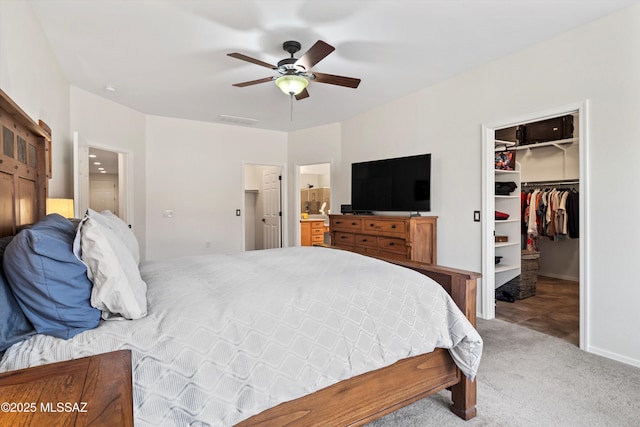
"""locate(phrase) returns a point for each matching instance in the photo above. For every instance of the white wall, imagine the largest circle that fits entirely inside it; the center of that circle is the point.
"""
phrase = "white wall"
(103, 123)
(599, 62)
(195, 169)
(30, 75)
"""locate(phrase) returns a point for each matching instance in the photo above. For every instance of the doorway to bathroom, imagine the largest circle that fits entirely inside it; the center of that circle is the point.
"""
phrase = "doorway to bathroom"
(314, 203)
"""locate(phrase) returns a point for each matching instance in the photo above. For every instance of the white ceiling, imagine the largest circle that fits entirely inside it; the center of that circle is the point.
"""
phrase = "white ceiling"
(169, 58)
(102, 162)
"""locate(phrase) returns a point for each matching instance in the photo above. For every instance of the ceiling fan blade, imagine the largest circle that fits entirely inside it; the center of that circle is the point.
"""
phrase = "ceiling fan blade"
(253, 82)
(336, 80)
(302, 95)
(252, 60)
(315, 54)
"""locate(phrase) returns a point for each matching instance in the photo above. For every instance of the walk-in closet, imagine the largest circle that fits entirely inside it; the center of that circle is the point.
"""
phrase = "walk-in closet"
(537, 238)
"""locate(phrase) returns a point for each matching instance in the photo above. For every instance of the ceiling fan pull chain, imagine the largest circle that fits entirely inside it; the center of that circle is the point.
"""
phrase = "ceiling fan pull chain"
(291, 100)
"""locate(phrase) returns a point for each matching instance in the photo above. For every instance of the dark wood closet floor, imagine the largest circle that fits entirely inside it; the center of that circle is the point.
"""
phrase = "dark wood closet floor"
(554, 310)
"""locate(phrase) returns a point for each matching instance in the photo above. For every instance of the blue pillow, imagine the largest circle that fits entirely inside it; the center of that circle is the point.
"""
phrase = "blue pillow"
(14, 325)
(48, 281)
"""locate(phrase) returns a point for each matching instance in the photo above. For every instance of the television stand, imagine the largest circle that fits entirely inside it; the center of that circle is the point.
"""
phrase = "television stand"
(397, 237)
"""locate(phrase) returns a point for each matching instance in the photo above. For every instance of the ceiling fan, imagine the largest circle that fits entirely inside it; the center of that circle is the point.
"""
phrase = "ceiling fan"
(295, 73)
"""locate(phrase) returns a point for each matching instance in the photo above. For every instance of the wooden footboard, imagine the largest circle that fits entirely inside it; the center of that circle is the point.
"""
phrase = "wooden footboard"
(364, 398)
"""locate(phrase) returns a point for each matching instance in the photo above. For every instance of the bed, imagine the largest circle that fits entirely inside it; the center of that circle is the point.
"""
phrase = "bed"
(258, 338)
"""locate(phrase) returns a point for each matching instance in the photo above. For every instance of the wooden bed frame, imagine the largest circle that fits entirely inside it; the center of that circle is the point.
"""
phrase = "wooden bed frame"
(369, 396)
(352, 402)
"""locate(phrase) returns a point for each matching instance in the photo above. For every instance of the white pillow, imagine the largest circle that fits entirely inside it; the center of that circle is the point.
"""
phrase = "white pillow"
(118, 289)
(120, 228)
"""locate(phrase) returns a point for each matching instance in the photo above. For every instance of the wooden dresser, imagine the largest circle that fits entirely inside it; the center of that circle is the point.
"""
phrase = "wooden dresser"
(311, 232)
(396, 237)
(91, 391)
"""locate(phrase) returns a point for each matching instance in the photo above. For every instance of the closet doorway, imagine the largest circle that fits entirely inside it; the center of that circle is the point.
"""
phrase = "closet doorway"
(262, 207)
(523, 248)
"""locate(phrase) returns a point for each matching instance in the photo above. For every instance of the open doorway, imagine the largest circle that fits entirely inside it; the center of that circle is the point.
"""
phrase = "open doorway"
(516, 244)
(262, 207)
(102, 179)
(314, 203)
(104, 191)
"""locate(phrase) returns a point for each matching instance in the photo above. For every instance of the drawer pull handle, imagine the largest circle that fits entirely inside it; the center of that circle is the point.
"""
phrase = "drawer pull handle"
(354, 223)
(393, 226)
(364, 240)
(391, 244)
(343, 237)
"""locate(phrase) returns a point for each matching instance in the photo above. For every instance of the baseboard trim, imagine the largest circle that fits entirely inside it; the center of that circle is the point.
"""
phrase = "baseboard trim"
(559, 276)
(614, 356)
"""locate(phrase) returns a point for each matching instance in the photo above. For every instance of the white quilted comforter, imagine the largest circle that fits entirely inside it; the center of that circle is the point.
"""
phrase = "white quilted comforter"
(228, 336)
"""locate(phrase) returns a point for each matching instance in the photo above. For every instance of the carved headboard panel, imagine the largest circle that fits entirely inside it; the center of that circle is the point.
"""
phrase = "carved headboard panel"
(25, 167)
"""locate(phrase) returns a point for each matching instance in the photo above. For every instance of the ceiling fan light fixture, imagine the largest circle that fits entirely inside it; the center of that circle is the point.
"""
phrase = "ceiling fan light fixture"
(292, 84)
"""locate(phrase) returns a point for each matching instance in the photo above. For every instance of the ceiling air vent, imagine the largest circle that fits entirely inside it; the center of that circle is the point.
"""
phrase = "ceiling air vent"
(233, 120)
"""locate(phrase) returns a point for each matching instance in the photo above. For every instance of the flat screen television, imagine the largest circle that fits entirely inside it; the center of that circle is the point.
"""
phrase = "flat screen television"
(398, 184)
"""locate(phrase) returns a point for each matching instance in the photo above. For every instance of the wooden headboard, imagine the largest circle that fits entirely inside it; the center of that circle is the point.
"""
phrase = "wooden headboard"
(25, 167)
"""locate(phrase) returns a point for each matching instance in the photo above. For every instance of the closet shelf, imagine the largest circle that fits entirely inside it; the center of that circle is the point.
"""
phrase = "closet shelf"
(517, 196)
(501, 145)
(506, 221)
(505, 267)
(556, 144)
(505, 244)
(505, 172)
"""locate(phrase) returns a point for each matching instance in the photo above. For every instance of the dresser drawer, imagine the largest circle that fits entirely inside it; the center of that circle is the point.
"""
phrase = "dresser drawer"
(393, 255)
(343, 238)
(386, 227)
(366, 240)
(365, 250)
(317, 230)
(317, 238)
(389, 244)
(346, 224)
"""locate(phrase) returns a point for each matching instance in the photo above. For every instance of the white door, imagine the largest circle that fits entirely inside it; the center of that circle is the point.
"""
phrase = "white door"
(103, 196)
(80, 176)
(271, 179)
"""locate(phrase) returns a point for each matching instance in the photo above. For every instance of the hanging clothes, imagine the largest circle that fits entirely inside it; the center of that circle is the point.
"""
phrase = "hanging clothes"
(551, 212)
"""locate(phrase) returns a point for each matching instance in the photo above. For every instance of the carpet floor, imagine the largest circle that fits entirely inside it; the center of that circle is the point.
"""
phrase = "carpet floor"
(527, 378)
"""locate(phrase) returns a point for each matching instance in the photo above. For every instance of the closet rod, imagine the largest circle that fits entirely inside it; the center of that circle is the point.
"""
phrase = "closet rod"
(554, 182)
